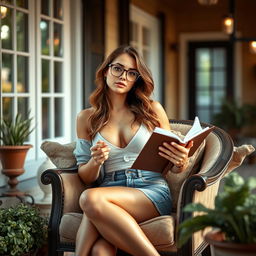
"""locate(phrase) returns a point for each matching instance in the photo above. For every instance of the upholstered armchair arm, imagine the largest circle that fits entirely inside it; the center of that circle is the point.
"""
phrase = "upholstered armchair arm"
(203, 186)
(66, 190)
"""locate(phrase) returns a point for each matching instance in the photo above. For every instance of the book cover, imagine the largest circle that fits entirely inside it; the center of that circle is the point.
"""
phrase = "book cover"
(150, 160)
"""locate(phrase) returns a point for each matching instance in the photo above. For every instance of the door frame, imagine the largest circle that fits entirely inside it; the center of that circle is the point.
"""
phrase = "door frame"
(184, 39)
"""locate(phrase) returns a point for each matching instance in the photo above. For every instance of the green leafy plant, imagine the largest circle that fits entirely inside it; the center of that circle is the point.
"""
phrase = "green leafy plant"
(234, 213)
(234, 116)
(22, 230)
(15, 133)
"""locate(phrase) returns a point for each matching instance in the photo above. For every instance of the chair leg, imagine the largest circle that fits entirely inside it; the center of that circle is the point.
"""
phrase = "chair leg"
(207, 251)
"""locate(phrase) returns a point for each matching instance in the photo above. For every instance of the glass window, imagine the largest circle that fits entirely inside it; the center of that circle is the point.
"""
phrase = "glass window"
(45, 37)
(210, 80)
(7, 28)
(58, 106)
(7, 72)
(58, 84)
(22, 74)
(45, 75)
(22, 31)
(45, 7)
(8, 108)
(57, 43)
(22, 3)
(46, 125)
(58, 10)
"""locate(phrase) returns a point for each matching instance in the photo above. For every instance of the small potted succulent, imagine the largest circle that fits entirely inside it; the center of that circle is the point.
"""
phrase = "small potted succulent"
(13, 151)
(22, 230)
(233, 219)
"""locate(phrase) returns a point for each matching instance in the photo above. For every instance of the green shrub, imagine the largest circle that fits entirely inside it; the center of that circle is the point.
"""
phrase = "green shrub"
(22, 230)
(234, 212)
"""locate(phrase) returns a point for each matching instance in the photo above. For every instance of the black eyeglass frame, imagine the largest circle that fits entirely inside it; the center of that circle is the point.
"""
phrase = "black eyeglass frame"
(127, 70)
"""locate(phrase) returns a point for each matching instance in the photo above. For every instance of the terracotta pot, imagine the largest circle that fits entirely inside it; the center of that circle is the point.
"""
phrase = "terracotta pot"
(13, 159)
(219, 247)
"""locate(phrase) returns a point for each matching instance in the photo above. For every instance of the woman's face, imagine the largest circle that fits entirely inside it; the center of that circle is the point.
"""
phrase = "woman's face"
(123, 83)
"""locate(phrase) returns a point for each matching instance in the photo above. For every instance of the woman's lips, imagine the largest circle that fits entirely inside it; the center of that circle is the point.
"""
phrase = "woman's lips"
(120, 85)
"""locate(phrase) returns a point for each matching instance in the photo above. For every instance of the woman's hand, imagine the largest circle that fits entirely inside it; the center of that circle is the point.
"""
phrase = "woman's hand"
(176, 153)
(100, 152)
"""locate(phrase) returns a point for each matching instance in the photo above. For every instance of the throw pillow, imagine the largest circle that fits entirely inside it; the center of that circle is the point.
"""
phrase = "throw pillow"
(61, 155)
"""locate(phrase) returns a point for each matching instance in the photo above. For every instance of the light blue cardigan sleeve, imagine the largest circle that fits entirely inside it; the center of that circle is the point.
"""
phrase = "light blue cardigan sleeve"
(82, 151)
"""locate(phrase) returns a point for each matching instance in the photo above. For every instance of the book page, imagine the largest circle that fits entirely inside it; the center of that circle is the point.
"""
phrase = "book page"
(196, 127)
(167, 133)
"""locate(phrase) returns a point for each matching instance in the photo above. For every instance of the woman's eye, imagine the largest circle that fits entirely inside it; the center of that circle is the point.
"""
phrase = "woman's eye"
(117, 68)
(131, 73)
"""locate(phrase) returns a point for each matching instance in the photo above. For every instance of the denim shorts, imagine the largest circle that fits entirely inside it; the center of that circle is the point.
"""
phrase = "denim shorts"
(152, 184)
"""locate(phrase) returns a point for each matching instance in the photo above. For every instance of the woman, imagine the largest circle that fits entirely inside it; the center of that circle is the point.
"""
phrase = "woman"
(110, 136)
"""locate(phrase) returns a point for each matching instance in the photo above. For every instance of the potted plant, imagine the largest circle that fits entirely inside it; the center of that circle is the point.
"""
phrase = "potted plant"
(233, 219)
(234, 117)
(13, 152)
(22, 230)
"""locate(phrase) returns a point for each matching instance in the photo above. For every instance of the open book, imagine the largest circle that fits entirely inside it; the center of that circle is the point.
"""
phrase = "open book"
(150, 160)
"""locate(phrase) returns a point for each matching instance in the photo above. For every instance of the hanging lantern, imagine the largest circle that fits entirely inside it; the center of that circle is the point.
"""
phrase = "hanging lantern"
(207, 2)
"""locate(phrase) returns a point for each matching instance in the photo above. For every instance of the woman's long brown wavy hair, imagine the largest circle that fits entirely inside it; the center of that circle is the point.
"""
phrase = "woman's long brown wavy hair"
(138, 98)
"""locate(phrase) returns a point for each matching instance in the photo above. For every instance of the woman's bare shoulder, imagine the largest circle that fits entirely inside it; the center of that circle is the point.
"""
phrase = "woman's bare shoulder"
(161, 114)
(82, 123)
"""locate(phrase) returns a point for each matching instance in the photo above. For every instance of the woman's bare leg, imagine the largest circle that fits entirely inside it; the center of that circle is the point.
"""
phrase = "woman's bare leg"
(86, 236)
(88, 241)
(116, 212)
(103, 248)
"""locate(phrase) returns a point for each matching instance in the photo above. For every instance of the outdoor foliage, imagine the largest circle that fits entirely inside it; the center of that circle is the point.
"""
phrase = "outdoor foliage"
(22, 230)
(234, 213)
(234, 116)
(15, 133)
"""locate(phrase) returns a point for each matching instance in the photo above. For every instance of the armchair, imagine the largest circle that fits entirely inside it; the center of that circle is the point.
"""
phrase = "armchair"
(199, 184)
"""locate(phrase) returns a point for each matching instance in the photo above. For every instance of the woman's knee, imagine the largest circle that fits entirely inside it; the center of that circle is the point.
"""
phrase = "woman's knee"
(103, 247)
(90, 202)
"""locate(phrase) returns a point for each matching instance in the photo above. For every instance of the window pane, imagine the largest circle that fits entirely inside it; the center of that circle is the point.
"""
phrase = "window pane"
(58, 106)
(204, 115)
(57, 7)
(23, 107)
(45, 76)
(45, 7)
(146, 56)
(219, 58)
(203, 59)
(22, 74)
(7, 28)
(23, 3)
(45, 32)
(218, 96)
(203, 79)
(134, 31)
(7, 73)
(203, 98)
(219, 79)
(57, 40)
(58, 77)
(22, 31)
(145, 36)
(46, 118)
(8, 107)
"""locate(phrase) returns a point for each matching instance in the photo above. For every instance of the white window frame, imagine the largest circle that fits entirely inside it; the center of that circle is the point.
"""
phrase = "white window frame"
(35, 155)
(144, 19)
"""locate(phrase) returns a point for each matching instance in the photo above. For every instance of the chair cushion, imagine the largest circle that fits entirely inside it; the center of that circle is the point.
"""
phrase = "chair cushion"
(159, 230)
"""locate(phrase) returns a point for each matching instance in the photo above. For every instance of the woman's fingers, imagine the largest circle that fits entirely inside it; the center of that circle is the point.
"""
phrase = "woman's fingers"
(100, 152)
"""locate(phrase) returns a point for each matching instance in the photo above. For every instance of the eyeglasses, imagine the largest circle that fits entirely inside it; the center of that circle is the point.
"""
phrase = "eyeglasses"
(117, 71)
